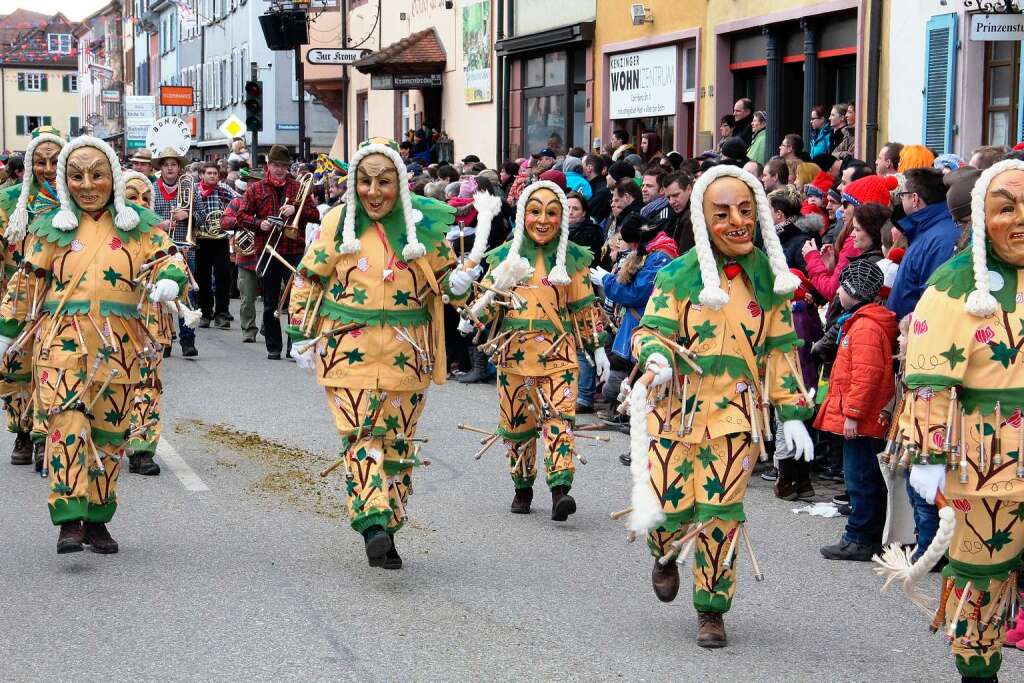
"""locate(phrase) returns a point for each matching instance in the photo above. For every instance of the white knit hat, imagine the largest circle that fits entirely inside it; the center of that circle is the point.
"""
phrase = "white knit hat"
(18, 223)
(350, 243)
(980, 302)
(125, 217)
(712, 294)
(558, 275)
(135, 175)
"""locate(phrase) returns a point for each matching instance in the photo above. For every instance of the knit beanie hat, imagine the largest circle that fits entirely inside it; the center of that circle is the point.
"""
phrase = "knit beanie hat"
(556, 177)
(572, 165)
(467, 187)
(950, 161)
(915, 156)
(634, 160)
(620, 170)
(861, 279)
(980, 302)
(712, 294)
(872, 188)
(958, 197)
(821, 184)
(734, 148)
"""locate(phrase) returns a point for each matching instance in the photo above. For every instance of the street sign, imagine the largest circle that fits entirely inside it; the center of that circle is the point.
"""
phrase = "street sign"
(233, 127)
(997, 27)
(101, 71)
(404, 82)
(139, 114)
(287, 126)
(110, 96)
(333, 55)
(176, 96)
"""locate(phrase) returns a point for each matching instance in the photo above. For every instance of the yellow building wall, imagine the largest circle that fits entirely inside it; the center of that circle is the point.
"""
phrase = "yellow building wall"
(614, 26)
(55, 103)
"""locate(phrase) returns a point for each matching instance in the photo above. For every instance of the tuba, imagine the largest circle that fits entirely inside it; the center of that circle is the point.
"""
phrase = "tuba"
(212, 230)
(186, 196)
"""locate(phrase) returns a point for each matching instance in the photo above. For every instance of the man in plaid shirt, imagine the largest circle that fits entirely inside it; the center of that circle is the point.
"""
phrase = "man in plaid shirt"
(263, 199)
(212, 256)
(165, 203)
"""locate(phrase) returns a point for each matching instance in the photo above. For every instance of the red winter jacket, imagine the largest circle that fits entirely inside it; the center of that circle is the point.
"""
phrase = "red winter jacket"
(862, 380)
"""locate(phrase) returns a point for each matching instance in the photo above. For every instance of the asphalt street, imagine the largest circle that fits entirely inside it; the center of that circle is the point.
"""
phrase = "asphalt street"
(239, 565)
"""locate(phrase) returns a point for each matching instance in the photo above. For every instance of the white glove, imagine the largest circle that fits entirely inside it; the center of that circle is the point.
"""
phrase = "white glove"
(304, 353)
(597, 275)
(602, 365)
(5, 344)
(927, 480)
(460, 280)
(164, 290)
(624, 390)
(659, 365)
(466, 327)
(798, 441)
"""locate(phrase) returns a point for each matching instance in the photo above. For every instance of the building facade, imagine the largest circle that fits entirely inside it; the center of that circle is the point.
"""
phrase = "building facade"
(101, 75)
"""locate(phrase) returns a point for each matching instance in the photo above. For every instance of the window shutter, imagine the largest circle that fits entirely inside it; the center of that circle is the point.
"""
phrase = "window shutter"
(47, 121)
(42, 82)
(21, 81)
(74, 126)
(940, 82)
(19, 125)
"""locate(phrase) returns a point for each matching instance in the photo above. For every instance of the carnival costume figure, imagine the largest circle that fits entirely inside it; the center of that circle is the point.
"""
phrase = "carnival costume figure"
(717, 339)
(961, 430)
(92, 269)
(366, 312)
(19, 204)
(538, 305)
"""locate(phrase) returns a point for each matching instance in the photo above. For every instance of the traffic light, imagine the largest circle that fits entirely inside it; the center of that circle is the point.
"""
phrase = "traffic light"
(254, 106)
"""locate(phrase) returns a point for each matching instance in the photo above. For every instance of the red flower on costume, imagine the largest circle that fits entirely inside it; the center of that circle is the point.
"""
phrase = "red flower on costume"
(1015, 419)
(115, 243)
(961, 504)
(401, 265)
(56, 437)
(984, 335)
(920, 326)
(753, 309)
(937, 438)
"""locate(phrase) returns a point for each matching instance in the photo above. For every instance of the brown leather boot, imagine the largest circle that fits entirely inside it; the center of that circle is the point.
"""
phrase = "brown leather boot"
(70, 538)
(665, 581)
(521, 501)
(22, 453)
(710, 630)
(98, 538)
(562, 504)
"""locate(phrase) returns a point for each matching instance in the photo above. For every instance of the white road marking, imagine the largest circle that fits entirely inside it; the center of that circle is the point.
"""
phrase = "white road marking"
(185, 474)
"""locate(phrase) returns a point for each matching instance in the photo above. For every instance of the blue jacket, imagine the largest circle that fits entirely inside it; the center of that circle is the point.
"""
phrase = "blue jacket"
(577, 183)
(633, 298)
(931, 239)
(821, 141)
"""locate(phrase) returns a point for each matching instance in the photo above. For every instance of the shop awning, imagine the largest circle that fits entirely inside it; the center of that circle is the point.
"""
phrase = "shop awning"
(561, 37)
(417, 53)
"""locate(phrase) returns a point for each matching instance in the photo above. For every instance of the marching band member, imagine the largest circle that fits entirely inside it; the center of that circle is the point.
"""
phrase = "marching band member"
(539, 302)
(961, 428)
(168, 205)
(270, 197)
(366, 311)
(213, 262)
(724, 354)
(19, 204)
(91, 270)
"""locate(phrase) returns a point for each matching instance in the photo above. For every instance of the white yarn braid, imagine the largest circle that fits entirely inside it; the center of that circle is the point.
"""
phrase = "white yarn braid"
(980, 302)
(895, 563)
(647, 512)
(487, 207)
(125, 217)
(18, 223)
(413, 249)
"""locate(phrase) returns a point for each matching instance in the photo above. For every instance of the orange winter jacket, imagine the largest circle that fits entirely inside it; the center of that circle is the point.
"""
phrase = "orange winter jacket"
(862, 381)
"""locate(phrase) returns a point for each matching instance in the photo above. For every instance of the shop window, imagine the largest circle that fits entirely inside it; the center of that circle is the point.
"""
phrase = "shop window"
(555, 101)
(535, 72)
(1002, 69)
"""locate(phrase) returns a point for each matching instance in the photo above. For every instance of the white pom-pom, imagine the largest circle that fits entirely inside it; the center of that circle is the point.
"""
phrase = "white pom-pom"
(127, 218)
(413, 250)
(981, 304)
(714, 298)
(559, 275)
(350, 246)
(190, 316)
(786, 283)
(417, 215)
(65, 220)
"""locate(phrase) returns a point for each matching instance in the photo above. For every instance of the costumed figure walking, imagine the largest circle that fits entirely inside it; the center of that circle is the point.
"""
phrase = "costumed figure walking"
(717, 341)
(537, 307)
(961, 431)
(92, 269)
(19, 204)
(366, 313)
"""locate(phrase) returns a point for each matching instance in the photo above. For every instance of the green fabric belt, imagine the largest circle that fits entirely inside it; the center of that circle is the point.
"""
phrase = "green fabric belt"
(350, 314)
(107, 308)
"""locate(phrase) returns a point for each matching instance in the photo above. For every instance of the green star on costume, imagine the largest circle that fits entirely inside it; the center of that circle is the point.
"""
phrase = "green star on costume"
(401, 298)
(706, 330)
(955, 356)
(111, 276)
(319, 255)
(354, 356)
(400, 361)
(660, 301)
(359, 296)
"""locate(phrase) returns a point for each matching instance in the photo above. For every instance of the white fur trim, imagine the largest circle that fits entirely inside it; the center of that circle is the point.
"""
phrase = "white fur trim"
(125, 217)
(135, 175)
(487, 207)
(17, 226)
(558, 275)
(414, 249)
(712, 294)
(647, 512)
(980, 302)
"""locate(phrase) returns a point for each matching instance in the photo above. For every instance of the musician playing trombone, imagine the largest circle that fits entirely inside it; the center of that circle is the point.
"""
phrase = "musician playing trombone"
(172, 203)
(268, 204)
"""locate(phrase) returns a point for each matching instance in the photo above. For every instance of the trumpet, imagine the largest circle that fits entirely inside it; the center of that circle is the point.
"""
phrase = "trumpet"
(280, 228)
(212, 230)
(186, 196)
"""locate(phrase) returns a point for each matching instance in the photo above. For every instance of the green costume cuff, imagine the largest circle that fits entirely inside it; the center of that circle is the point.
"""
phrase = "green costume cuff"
(101, 514)
(977, 667)
(580, 304)
(984, 400)
(69, 510)
(364, 520)
(11, 327)
(559, 478)
(101, 437)
(666, 326)
(732, 512)
(979, 574)
(651, 348)
(674, 520)
(517, 437)
(710, 602)
(785, 342)
(523, 482)
(791, 412)
(351, 314)
(295, 334)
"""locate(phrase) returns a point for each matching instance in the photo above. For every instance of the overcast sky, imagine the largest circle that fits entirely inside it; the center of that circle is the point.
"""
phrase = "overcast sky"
(72, 9)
